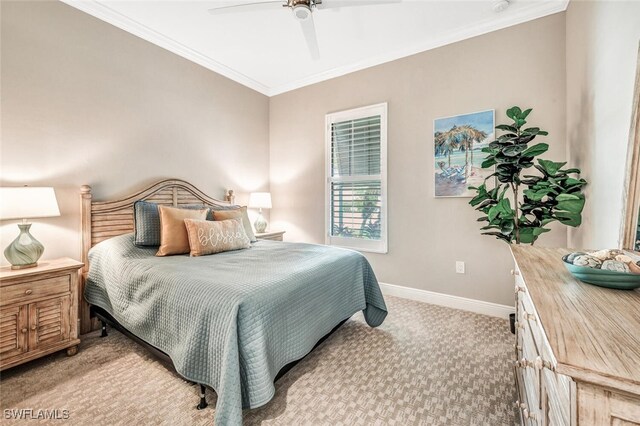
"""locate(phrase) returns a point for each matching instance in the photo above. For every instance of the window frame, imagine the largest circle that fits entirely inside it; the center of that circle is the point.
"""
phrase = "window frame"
(360, 244)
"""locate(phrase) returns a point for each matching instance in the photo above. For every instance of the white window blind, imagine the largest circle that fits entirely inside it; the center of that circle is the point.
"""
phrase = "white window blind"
(356, 178)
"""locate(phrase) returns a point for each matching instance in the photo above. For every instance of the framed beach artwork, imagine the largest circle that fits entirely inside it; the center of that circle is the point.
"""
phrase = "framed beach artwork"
(458, 143)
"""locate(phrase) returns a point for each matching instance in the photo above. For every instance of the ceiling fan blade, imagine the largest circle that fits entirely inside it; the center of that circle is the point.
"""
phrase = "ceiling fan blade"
(309, 32)
(334, 4)
(237, 7)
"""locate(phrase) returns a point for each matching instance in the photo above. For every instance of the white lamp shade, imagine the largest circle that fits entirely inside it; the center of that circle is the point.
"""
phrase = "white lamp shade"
(27, 202)
(260, 200)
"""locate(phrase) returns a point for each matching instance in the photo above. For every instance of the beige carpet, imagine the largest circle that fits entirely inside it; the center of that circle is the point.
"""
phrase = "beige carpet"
(426, 365)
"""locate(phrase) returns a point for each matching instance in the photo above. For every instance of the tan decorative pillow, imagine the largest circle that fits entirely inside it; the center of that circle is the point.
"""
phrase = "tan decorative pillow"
(235, 213)
(173, 232)
(209, 237)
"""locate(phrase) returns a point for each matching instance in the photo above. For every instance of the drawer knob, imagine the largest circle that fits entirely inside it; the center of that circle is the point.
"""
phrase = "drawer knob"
(520, 289)
(519, 325)
(33, 327)
(528, 415)
(527, 316)
(24, 330)
(515, 272)
(524, 363)
(28, 292)
(539, 363)
(525, 411)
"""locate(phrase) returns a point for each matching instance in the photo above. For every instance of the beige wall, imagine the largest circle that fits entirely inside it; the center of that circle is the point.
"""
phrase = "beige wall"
(86, 103)
(522, 65)
(602, 52)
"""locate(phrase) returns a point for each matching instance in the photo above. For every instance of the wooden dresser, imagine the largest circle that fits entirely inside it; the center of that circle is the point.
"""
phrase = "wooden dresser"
(38, 311)
(577, 345)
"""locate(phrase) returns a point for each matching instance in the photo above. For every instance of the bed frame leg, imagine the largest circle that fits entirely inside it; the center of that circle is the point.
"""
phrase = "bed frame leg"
(104, 329)
(203, 399)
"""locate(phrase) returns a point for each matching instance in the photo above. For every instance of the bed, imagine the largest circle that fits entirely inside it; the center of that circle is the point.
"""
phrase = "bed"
(231, 321)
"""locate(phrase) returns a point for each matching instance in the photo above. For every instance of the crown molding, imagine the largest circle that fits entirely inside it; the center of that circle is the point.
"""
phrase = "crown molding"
(106, 14)
(533, 11)
(96, 9)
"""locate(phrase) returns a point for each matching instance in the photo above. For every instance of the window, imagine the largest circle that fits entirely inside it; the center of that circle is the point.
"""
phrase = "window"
(356, 195)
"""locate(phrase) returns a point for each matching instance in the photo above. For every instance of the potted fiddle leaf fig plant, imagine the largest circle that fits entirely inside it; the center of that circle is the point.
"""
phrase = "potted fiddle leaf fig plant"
(517, 205)
(554, 193)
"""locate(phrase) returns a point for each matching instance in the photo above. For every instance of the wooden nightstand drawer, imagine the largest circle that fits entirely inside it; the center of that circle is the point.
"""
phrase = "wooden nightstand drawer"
(33, 290)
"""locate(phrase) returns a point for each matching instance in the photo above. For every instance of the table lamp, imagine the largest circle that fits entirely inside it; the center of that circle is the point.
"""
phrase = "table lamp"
(25, 203)
(260, 200)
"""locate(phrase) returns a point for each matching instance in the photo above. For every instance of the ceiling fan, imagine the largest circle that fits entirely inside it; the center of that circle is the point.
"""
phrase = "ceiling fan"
(302, 11)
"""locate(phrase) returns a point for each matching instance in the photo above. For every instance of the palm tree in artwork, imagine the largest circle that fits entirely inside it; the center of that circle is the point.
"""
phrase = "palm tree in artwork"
(472, 135)
(446, 143)
(439, 143)
(463, 137)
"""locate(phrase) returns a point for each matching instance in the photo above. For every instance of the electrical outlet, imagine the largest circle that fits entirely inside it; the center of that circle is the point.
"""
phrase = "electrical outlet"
(459, 267)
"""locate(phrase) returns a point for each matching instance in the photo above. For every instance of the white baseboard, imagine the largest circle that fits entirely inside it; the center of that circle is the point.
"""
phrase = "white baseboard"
(456, 302)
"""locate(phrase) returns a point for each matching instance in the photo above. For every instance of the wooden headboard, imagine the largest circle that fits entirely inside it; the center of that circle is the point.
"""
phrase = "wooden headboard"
(105, 219)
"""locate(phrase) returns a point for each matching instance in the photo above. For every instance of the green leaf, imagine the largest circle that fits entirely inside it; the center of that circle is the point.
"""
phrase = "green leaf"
(504, 208)
(525, 113)
(513, 150)
(568, 218)
(536, 150)
(504, 190)
(493, 213)
(526, 235)
(537, 195)
(506, 127)
(570, 203)
(573, 182)
(507, 137)
(486, 203)
(514, 113)
(488, 163)
(539, 231)
(507, 227)
(550, 167)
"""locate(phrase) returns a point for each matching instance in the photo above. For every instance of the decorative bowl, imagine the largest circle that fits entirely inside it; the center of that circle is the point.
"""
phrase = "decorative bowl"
(603, 278)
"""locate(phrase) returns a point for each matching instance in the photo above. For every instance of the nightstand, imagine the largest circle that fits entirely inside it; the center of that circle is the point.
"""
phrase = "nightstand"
(272, 235)
(38, 311)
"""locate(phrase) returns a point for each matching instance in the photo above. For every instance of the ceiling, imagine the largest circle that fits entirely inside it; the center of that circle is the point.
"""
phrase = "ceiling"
(265, 49)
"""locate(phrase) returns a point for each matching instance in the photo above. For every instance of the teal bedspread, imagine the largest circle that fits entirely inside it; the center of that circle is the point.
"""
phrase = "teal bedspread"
(233, 320)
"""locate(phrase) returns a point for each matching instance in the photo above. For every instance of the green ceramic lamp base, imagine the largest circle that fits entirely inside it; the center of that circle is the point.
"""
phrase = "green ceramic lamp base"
(24, 251)
(260, 224)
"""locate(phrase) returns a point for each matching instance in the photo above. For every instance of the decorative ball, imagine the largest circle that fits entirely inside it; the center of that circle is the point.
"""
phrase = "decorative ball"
(614, 265)
(587, 261)
(606, 254)
(573, 255)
